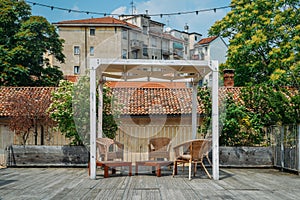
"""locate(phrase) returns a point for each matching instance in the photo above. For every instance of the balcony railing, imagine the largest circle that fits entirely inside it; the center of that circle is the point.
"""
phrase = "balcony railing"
(136, 44)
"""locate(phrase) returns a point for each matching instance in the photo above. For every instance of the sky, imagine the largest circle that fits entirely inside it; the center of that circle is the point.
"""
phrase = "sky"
(197, 23)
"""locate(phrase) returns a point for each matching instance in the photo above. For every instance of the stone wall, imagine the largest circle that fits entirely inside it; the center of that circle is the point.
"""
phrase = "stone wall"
(47, 156)
(246, 156)
(39, 156)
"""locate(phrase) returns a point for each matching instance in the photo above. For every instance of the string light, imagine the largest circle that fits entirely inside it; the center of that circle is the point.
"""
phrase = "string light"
(122, 15)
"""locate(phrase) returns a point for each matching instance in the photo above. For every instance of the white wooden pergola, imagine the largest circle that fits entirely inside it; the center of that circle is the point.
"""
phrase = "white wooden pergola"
(155, 71)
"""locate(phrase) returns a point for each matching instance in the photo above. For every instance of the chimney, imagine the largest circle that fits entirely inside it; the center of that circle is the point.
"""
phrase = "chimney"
(186, 28)
(228, 75)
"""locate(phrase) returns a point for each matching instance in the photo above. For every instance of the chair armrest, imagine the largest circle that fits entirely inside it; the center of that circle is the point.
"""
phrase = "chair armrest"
(169, 146)
(120, 145)
(186, 143)
(179, 146)
(150, 149)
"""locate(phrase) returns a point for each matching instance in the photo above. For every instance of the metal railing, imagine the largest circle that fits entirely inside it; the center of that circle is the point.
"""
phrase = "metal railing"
(286, 142)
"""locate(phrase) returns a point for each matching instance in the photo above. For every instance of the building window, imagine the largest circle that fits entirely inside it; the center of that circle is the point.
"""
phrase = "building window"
(124, 34)
(154, 57)
(92, 31)
(76, 50)
(76, 69)
(154, 41)
(92, 51)
(124, 54)
(145, 50)
(145, 29)
(135, 54)
(206, 51)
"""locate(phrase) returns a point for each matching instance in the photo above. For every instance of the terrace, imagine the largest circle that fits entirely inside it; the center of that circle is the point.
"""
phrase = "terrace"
(74, 183)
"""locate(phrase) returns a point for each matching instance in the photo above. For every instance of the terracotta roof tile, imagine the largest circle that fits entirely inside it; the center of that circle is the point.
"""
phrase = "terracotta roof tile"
(207, 40)
(8, 93)
(155, 100)
(151, 98)
(98, 21)
(142, 101)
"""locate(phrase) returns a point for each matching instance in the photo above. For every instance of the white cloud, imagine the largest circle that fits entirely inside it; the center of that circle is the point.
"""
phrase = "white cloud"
(120, 10)
(75, 7)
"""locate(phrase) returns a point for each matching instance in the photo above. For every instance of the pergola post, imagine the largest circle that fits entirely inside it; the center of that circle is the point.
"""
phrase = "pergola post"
(100, 109)
(93, 120)
(194, 111)
(215, 119)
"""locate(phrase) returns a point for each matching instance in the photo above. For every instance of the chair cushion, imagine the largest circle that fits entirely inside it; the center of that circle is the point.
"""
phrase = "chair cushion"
(185, 157)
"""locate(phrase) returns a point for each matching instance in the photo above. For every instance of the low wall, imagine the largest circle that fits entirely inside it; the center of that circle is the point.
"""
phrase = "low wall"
(40, 156)
(246, 156)
(78, 156)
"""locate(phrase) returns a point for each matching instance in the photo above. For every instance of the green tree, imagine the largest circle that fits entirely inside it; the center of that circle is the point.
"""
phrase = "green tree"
(264, 37)
(25, 43)
(70, 108)
(61, 111)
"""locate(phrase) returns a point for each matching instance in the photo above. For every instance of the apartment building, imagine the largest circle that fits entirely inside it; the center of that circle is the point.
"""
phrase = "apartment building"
(211, 48)
(129, 37)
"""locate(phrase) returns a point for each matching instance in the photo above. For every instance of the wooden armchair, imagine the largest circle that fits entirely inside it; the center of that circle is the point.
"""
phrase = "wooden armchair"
(159, 148)
(109, 149)
(191, 152)
(110, 155)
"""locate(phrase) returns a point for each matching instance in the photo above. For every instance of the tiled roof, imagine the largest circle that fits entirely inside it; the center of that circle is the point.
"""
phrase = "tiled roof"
(7, 94)
(207, 40)
(143, 101)
(98, 21)
(132, 99)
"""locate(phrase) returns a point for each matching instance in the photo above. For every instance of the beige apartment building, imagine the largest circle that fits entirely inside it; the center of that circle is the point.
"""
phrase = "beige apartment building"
(129, 37)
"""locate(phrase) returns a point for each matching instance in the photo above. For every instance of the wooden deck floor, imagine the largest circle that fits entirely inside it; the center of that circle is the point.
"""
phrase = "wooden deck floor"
(74, 183)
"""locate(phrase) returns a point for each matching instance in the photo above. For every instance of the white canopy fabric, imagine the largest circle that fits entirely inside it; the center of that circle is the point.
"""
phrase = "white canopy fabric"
(153, 71)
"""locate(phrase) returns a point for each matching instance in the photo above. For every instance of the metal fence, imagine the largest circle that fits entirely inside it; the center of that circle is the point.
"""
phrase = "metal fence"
(286, 142)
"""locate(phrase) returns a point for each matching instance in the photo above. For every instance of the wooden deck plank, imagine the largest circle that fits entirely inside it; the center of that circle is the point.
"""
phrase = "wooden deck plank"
(74, 183)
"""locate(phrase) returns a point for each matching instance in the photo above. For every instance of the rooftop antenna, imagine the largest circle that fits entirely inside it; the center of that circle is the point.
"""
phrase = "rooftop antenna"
(132, 7)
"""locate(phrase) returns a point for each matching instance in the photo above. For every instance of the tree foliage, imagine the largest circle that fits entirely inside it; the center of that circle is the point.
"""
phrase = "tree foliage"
(61, 111)
(264, 38)
(25, 43)
(70, 108)
(243, 121)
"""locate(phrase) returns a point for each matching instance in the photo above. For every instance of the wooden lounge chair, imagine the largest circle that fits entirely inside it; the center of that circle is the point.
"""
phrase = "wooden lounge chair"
(192, 152)
(159, 148)
(110, 155)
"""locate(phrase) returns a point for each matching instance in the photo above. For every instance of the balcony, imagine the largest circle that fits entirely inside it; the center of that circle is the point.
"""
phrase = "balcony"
(136, 44)
(166, 52)
(178, 54)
